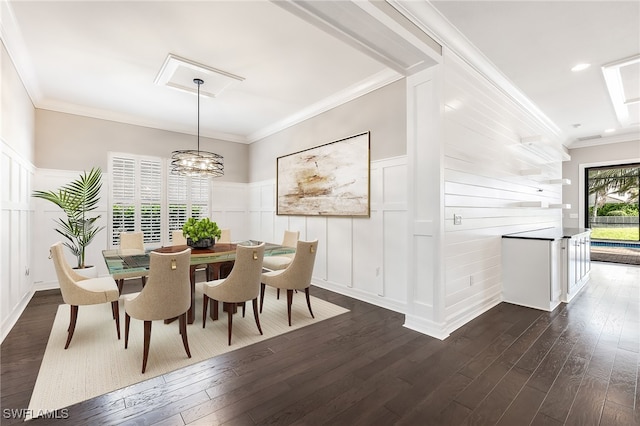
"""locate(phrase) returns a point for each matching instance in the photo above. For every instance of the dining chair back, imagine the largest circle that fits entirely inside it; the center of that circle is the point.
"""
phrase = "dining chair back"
(225, 236)
(78, 290)
(132, 243)
(166, 295)
(242, 285)
(276, 263)
(177, 238)
(297, 276)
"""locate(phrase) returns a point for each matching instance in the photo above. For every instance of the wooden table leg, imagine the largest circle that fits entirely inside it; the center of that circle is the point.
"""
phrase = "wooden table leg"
(191, 313)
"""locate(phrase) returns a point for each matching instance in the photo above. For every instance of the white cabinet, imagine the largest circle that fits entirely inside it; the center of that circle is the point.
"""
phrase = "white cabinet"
(542, 268)
(532, 272)
(576, 263)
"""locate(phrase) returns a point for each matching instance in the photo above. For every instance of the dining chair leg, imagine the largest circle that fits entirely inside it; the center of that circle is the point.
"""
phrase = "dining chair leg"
(127, 321)
(115, 308)
(205, 305)
(72, 324)
(215, 309)
(289, 302)
(147, 340)
(244, 307)
(231, 307)
(262, 286)
(255, 314)
(278, 294)
(183, 331)
(306, 292)
(144, 281)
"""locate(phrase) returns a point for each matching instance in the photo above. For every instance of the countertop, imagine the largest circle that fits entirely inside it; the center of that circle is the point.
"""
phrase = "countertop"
(548, 234)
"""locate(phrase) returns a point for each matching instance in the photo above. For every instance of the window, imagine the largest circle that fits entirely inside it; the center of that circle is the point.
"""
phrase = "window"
(145, 196)
(612, 202)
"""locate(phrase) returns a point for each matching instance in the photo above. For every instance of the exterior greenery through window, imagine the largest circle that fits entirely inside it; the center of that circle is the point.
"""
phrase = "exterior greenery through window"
(145, 196)
(612, 202)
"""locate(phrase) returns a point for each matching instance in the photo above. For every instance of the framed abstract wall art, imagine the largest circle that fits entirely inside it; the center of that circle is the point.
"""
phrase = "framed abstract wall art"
(328, 180)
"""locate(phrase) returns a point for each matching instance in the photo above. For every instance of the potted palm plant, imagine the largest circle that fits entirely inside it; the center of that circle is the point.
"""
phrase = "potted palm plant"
(200, 233)
(77, 199)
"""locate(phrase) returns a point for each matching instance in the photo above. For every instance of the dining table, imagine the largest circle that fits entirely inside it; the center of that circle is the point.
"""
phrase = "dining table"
(135, 263)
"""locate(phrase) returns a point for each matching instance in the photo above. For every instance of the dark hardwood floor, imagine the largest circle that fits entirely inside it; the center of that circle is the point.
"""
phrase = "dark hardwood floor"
(512, 365)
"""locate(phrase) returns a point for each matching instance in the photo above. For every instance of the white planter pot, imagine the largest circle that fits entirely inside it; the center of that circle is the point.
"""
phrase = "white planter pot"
(88, 271)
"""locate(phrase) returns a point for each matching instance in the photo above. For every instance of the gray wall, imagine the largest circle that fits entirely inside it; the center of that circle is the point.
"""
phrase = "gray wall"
(609, 154)
(16, 123)
(73, 142)
(382, 112)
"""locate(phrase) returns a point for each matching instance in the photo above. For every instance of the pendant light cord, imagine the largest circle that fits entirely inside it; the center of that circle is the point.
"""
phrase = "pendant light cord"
(198, 82)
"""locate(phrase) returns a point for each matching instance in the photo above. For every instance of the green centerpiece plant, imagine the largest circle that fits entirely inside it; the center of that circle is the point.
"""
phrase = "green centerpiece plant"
(77, 199)
(200, 233)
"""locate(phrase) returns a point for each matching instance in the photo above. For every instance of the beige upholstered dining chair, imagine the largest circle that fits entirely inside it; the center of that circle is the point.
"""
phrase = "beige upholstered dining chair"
(276, 263)
(242, 285)
(78, 290)
(225, 236)
(167, 295)
(132, 243)
(177, 238)
(297, 276)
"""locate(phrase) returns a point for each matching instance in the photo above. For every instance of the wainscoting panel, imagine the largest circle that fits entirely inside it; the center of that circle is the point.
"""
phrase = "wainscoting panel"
(18, 265)
(316, 228)
(365, 258)
(395, 255)
(230, 204)
(368, 249)
(340, 251)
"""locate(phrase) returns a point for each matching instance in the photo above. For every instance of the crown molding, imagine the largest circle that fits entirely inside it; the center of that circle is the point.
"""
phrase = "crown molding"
(99, 114)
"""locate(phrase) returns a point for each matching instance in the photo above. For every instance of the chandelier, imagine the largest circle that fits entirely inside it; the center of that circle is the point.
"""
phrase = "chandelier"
(197, 163)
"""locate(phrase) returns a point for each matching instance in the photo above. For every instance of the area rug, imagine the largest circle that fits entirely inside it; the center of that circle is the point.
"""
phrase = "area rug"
(97, 363)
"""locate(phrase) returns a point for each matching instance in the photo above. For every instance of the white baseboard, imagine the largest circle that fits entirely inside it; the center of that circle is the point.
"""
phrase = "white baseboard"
(462, 317)
(393, 305)
(12, 319)
(426, 326)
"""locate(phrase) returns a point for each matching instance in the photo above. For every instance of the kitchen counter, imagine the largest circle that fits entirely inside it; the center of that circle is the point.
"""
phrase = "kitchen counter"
(548, 234)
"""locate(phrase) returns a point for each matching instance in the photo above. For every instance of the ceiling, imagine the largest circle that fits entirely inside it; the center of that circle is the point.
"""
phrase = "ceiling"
(536, 43)
(103, 59)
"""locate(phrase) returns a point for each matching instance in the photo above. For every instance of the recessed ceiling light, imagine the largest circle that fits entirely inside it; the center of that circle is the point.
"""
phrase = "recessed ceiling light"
(580, 67)
(610, 130)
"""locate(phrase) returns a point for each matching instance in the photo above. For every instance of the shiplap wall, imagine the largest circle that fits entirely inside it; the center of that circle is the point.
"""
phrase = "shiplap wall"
(364, 258)
(487, 177)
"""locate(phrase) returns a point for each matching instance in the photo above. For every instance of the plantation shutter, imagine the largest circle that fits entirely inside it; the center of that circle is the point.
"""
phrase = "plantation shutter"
(199, 197)
(140, 201)
(178, 202)
(123, 197)
(151, 200)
